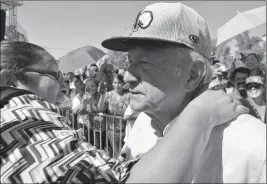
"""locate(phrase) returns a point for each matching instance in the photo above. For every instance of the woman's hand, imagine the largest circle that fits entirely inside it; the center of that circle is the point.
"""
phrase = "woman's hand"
(216, 107)
(83, 106)
(102, 87)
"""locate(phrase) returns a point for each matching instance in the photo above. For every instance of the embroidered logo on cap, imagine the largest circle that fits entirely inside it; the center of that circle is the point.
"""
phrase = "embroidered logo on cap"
(143, 20)
(194, 38)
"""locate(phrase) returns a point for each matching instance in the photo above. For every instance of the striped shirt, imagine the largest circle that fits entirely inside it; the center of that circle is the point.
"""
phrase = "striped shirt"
(38, 146)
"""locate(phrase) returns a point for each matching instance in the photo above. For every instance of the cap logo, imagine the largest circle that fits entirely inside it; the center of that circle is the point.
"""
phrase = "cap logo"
(143, 20)
(194, 38)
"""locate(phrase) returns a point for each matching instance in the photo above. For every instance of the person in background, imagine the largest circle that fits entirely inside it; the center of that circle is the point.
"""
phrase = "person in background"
(71, 79)
(256, 100)
(105, 73)
(121, 71)
(90, 71)
(253, 64)
(76, 102)
(215, 62)
(238, 78)
(73, 90)
(90, 107)
(219, 77)
(115, 103)
(63, 98)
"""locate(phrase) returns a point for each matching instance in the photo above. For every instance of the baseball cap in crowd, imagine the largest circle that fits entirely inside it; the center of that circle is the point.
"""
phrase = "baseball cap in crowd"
(255, 79)
(241, 67)
(166, 23)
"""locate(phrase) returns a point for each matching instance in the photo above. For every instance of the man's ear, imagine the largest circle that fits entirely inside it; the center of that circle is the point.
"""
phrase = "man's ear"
(195, 73)
(7, 78)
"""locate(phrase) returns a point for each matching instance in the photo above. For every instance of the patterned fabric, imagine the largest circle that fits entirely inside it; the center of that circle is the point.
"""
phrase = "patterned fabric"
(93, 119)
(117, 106)
(37, 146)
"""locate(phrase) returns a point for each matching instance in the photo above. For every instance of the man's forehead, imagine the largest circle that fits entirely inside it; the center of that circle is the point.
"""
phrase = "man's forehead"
(241, 74)
(156, 52)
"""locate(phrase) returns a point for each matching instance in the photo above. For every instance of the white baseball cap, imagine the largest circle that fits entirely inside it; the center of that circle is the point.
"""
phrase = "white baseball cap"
(169, 23)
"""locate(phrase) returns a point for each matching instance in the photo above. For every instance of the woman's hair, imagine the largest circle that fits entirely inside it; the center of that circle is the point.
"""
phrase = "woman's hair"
(252, 54)
(90, 79)
(119, 77)
(86, 68)
(17, 56)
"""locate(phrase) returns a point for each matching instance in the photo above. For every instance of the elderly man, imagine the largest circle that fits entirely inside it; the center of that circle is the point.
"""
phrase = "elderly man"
(169, 48)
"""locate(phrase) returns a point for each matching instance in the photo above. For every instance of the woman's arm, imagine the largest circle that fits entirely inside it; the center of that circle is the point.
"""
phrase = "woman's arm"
(101, 103)
(175, 158)
(83, 107)
(76, 105)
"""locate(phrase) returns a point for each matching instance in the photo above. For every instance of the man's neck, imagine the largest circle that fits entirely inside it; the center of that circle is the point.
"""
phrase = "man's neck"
(159, 122)
(161, 119)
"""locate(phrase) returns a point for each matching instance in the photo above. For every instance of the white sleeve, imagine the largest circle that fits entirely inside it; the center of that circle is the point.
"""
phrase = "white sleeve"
(128, 111)
(263, 174)
(76, 104)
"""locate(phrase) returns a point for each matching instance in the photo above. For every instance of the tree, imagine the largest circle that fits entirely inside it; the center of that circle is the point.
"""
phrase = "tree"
(213, 46)
(242, 43)
(118, 59)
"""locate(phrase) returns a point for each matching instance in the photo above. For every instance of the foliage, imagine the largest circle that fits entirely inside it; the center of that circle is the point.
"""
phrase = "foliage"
(118, 59)
(241, 44)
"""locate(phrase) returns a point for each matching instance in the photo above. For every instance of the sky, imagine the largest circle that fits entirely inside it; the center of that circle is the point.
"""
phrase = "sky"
(62, 26)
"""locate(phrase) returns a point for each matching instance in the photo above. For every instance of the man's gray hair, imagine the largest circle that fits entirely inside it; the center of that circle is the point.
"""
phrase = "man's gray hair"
(206, 75)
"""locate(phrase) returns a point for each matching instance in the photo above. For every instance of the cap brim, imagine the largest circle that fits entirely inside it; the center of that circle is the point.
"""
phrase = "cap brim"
(261, 83)
(124, 44)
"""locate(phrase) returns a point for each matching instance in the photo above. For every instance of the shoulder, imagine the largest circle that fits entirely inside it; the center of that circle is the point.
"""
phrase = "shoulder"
(245, 140)
(243, 149)
(246, 123)
(247, 132)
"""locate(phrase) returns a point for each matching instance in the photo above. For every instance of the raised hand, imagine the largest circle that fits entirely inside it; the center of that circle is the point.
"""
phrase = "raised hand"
(216, 107)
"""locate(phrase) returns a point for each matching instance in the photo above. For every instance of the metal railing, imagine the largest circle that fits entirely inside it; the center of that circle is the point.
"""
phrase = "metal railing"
(105, 132)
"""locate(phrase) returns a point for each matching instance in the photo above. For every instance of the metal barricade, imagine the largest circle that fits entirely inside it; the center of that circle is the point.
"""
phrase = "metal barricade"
(105, 132)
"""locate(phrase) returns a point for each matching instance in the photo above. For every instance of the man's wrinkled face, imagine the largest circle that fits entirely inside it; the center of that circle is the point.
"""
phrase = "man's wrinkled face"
(156, 78)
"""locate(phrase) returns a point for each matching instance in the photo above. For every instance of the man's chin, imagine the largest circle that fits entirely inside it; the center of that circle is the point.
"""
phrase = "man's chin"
(139, 103)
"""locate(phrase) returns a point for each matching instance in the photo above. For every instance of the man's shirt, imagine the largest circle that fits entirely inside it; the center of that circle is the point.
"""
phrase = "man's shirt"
(236, 152)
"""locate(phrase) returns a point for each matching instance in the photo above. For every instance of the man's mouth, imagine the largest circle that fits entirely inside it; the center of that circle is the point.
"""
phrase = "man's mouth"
(135, 92)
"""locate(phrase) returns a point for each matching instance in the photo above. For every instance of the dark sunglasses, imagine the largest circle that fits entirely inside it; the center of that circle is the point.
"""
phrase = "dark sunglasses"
(56, 75)
(253, 85)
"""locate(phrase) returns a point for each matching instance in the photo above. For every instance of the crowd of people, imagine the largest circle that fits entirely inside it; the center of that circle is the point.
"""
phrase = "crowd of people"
(187, 121)
(90, 94)
(246, 79)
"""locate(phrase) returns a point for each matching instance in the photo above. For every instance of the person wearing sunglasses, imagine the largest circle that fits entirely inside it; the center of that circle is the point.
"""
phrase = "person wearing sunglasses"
(255, 101)
(30, 68)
